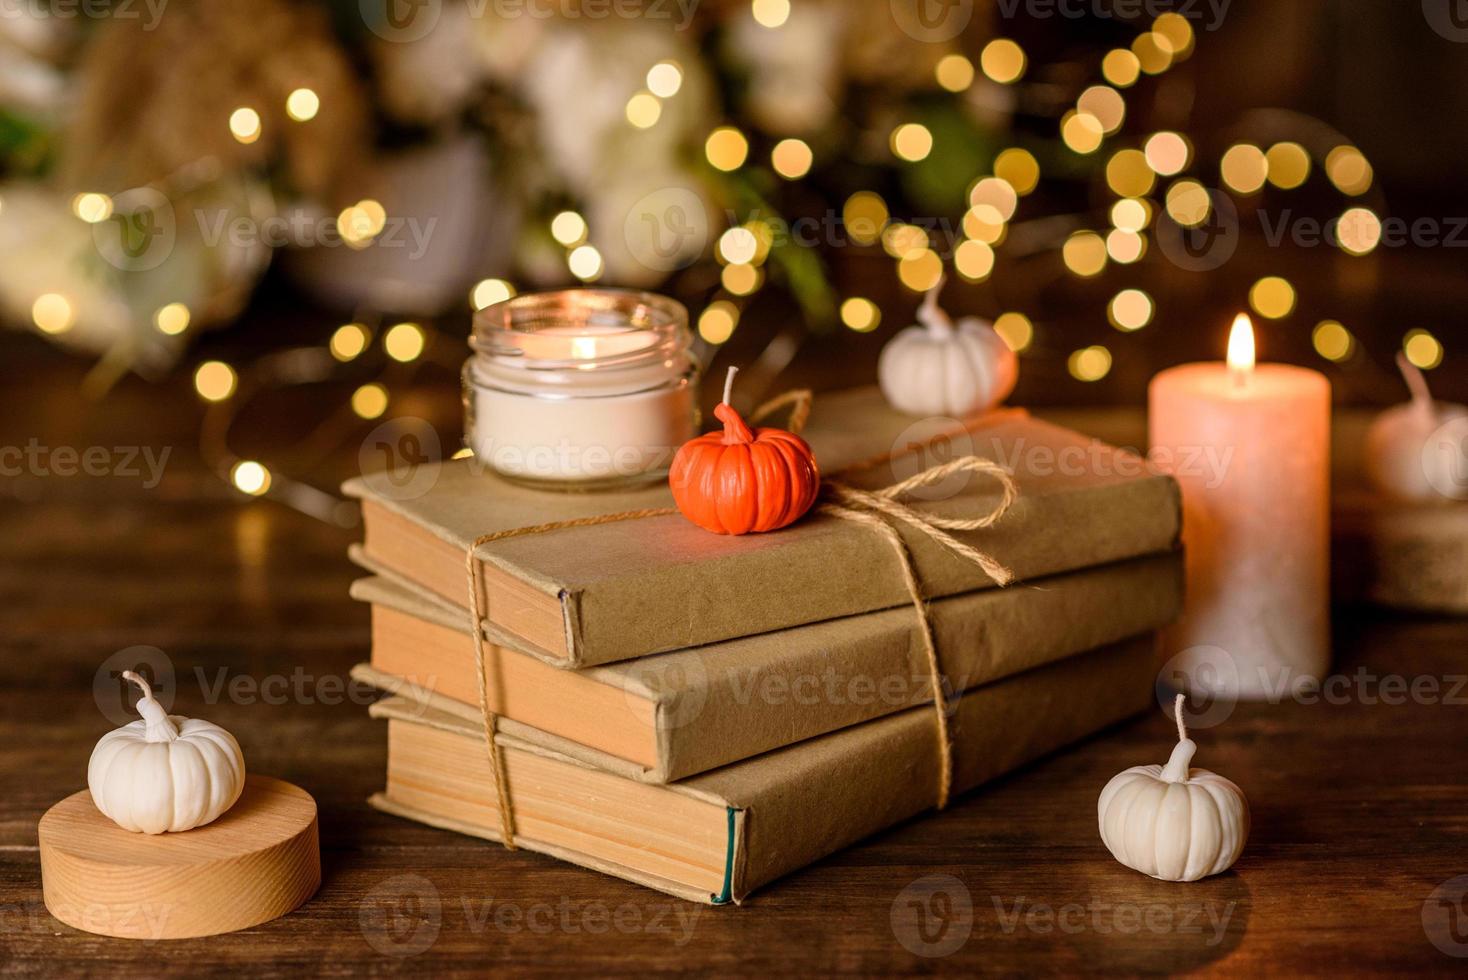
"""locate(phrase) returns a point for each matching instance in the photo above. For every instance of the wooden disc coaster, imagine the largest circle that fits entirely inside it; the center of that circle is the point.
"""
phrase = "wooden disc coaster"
(260, 860)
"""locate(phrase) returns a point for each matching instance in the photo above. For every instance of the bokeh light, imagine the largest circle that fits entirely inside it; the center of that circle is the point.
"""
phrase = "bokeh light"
(172, 319)
(726, 148)
(920, 269)
(349, 341)
(404, 342)
(1084, 253)
(954, 72)
(717, 322)
(973, 260)
(1019, 167)
(860, 314)
(1130, 309)
(1016, 330)
(1289, 165)
(487, 292)
(1272, 297)
(1168, 153)
(911, 142)
(1121, 68)
(302, 105)
(370, 401)
(1332, 340)
(215, 381)
(1422, 349)
(250, 477)
(1089, 363)
(52, 313)
(1348, 170)
(1002, 60)
(791, 158)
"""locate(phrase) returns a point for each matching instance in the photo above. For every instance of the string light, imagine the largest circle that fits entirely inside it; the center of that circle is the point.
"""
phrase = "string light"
(740, 279)
(1125, 246)
(954, 72)
(911, 142)
(860, 314)
(900, 239)
(1130, 309)
(1188, 203)
(215, 381)
(644, 110)
(370, 401)
(487, 292)
(244, 125)
(92, 208)
(1128, 174)
(250, 477)
(973, 260)
(1358, 231)
(404, 342)
(726, 148)
(737, 245)
(1081, 131)
(360, 223)
(771, 13)
(1121, 68)
(664, 79)
(1084, 253)
(302, 105)
(568, 228)
(1106, 104)
(920, 270)
(1272, 297)
(1422, 349)
(1332, 340)
(1168, 153)
(1178, 32)
(1019, 167)
(1002, 61)
(172, 319)
(1348, 170)
(1244, 168)
(1089, 363)
(1130, 214)
(1288, 165)
(1016, 330)
(349, 341)
(585, 263)
(717, 322)
(52, 313)
(865, 215)
(791, 158)
(1153, 51)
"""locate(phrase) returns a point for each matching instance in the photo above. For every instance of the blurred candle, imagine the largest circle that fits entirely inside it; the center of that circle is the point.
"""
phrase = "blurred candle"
(1250, 446)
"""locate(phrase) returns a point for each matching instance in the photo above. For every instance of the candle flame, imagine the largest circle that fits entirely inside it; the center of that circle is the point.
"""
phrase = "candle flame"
(1241, 345)
(584, 348)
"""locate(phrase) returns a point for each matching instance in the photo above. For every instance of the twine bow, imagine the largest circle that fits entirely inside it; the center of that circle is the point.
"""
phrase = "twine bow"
(881, 510)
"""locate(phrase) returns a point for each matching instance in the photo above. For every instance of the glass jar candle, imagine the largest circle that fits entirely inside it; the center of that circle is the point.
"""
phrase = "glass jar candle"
(581, 388)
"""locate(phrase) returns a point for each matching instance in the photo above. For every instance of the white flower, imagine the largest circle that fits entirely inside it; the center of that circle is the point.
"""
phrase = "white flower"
(431, 78)
(795, 69)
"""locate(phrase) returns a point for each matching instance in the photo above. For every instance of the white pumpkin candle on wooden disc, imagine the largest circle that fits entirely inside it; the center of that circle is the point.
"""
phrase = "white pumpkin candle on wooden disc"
(164, 772)
(1410, 455)
(1173, 822)
(946, 368)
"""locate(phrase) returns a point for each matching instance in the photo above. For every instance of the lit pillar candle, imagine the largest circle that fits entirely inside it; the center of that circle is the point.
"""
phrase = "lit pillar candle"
(1250, 446)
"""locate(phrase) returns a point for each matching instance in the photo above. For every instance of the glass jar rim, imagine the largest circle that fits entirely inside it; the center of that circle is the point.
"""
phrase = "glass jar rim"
(507, 333)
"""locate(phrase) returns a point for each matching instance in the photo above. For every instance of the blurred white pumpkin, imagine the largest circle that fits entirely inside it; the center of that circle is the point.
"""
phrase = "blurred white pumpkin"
(943, 368)
(1411, 450)
(164, 773)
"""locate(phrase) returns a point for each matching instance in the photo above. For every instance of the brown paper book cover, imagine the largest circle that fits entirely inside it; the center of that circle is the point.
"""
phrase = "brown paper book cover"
(719, 836)
(599, 594)
(677, 714)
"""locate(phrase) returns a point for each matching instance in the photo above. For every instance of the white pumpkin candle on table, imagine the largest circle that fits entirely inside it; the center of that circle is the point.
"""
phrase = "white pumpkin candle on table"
(164, 773)
(1415, 452)
(946, 368)
(1173, 822)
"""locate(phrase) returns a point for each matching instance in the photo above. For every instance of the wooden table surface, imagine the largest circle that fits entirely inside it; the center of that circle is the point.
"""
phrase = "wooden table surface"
(1360, 805)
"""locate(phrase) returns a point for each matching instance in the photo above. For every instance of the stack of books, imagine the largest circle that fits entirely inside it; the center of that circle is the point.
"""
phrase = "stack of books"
(703, 714)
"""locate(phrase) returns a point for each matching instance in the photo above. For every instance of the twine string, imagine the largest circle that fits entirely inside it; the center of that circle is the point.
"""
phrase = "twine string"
(875, 509)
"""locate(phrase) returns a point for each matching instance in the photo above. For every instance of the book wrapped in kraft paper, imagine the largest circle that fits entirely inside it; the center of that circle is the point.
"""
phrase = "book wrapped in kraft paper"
(599, 594)
(719, 836)
(677, 714)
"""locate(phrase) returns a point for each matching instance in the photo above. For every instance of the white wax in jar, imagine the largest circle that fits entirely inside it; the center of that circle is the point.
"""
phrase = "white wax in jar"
(593, 422)
(581, 439)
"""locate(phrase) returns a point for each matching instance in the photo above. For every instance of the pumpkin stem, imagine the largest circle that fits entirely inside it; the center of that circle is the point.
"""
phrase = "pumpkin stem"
(160, 728)
(1421, 397)
(736, 432)
(1176, 770)
(933, 316)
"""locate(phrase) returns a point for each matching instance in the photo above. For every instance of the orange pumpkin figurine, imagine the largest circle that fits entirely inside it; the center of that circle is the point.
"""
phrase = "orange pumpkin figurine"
(742, 480)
